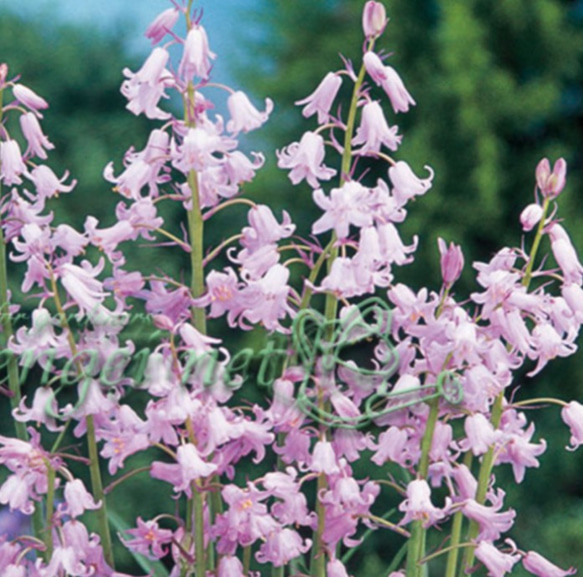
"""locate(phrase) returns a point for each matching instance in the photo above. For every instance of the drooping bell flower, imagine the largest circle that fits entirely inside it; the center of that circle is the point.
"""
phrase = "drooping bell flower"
(572, 415)
(196, 56)
(538, 565)
(531, 216)
(244, 116)
(321, 99)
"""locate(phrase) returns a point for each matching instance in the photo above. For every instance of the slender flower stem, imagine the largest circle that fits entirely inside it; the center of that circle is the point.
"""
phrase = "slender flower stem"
(314, 273)
(125, 477)
(12, 365)
(539, 401)
(384, 523)
(497, 409)
(456, 532)
(393, 485)
(246, 559)
(171, 237)
(347, 155)
(483, 481)
(416, 549)
(226, 204)
(318, 560)
(219, 248)
(60, 438)
(195, 505)
(447, 550)
(200, 561)
(535, 244)
(48, 535)
(196, 233)
(97, 486)
(94, 470)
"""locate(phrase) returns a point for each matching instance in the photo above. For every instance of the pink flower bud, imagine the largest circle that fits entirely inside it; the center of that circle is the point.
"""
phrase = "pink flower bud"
(551, 183)
(161, 25)
(538, 565)
(29, 98)
(3, 74)
(530, 216)
(572, 415)
(374, 19)
(452, 262)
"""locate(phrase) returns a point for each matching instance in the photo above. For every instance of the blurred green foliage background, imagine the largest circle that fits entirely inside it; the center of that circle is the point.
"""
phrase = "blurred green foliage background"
(498, 86)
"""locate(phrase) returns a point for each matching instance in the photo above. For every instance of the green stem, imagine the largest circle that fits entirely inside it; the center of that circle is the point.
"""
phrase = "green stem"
(483, 480)
(246, 559)
(48, 536)
(384, 523)
(94, 469)
(535, 244)
(540, 400)
(448, 549)
(456, 532)
(12, 365)
(98, 494)
(416, 549)
(318, 558)
(188, 534)
(314, 274)
(215, 508)
(196, 235)
(488, 460)
(60, 438)
(199, 552)
(125, 477)
(347, 155)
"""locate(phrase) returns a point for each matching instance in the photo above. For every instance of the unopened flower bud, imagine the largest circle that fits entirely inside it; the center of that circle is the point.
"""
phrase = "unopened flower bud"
(29, 98)
(3, 74)
(538, 565)
(531, 216)
(162, 24)
(374, 19)
(572, 415)
(452, 262)
(551, 183)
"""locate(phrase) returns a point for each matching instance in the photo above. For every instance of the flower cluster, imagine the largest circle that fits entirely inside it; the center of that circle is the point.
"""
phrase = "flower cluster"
(435, 406)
